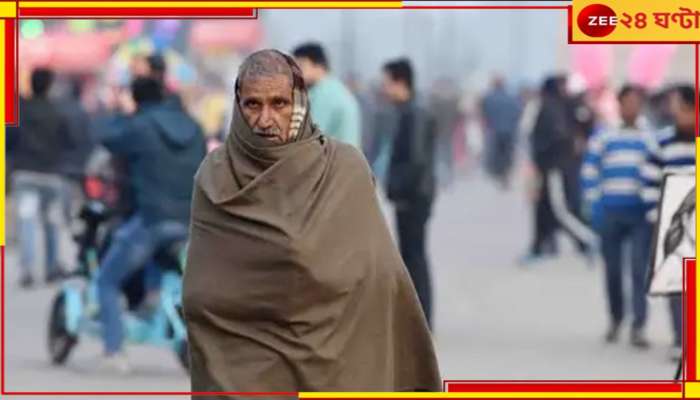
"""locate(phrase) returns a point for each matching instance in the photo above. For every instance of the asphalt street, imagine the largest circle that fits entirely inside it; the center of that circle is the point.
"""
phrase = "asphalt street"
(495, 320)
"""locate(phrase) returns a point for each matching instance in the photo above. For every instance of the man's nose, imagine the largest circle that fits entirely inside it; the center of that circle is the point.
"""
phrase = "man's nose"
(265, 120)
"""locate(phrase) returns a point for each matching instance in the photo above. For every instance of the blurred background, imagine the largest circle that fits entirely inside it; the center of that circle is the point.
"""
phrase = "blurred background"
(495, 317)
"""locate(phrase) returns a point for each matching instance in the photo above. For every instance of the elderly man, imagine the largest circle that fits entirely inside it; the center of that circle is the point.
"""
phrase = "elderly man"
(293, 282)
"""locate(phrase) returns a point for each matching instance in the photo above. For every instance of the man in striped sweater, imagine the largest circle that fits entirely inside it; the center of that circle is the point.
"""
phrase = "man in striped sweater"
(612, 187)
(673, 152)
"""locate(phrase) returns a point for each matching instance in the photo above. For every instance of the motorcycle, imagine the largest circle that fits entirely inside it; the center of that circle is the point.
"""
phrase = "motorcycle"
(75, 309)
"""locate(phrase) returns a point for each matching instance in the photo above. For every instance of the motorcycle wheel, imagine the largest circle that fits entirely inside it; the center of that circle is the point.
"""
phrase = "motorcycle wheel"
(60, 341)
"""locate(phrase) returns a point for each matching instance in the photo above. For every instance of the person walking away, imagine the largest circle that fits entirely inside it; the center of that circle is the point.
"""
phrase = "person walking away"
(552, 147)
(333, 106)
(612, 188)
(583, 124)
(672, 152)
(501, 114)
(384, 123)
(37, 147)
(411, 184)
(163, 147)
(444, 106)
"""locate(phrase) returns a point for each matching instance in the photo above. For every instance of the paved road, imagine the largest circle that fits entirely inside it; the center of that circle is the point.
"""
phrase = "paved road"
(494, 320)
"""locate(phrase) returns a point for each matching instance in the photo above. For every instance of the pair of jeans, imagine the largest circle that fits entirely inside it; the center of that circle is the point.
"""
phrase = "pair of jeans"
(133, 247)
(618, 227)
(411, 221)
(39, 199)
(500, 154)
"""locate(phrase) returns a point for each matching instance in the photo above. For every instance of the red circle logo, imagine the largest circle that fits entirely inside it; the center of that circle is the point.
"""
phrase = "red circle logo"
(597, 20)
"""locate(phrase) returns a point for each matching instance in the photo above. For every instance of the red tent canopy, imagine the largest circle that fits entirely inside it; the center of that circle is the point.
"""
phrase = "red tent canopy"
(223, 34)
(66, 52)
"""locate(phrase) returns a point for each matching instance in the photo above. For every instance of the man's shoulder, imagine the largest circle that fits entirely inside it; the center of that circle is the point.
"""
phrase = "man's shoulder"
(214, 178)
(346, 154)
(422, 112)
(666, 135)
(351, 162)
(213, 160)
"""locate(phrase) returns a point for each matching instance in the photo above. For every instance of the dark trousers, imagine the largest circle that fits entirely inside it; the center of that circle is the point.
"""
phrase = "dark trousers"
(617, 228)
(411, 222)
(545, 224)
(500, 154)
(556, 208)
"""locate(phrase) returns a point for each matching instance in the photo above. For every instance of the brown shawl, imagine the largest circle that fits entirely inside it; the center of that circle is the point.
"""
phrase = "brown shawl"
(293, 282)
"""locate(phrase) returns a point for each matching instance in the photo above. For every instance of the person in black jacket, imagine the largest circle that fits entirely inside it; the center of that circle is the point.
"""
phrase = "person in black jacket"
(553, 151)
(36, 148)
(163, 147)
(411, 182)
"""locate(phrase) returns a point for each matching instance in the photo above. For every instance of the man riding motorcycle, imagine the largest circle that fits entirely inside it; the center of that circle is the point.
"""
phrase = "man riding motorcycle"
(162, 147)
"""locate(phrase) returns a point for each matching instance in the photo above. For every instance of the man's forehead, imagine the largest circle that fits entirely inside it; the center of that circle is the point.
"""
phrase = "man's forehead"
(265, 63)
(278, 84)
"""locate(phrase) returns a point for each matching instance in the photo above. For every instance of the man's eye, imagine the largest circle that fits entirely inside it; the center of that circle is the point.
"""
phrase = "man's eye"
(280, 103)
(252, 104)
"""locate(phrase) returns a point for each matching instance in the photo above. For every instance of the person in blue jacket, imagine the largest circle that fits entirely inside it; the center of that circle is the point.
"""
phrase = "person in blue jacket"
(163, 147)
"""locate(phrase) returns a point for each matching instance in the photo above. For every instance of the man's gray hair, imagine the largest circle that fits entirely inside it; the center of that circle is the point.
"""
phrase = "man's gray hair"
(264, 64)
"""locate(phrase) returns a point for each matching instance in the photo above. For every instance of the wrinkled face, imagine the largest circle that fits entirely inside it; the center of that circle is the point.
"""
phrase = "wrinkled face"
(631, 106)
(267, 104)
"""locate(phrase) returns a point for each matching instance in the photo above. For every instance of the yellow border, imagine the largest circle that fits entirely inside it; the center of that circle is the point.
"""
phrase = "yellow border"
(8, 9)
(692, 389)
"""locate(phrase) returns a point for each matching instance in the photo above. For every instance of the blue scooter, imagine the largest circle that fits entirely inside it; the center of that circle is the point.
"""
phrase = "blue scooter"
(75, 309)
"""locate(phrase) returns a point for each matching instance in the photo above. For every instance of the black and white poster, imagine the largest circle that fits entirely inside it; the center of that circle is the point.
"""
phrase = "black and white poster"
(675, 235)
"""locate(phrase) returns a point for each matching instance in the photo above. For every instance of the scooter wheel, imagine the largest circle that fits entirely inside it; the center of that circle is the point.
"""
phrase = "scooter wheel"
(183, 354)
(60, 341)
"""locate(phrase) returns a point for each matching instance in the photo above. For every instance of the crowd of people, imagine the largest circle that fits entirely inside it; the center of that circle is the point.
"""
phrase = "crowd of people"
(600, 182)
(595, 178)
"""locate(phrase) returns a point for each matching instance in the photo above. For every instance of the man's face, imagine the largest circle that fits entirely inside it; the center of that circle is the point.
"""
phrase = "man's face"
(390, 88)
(683, 113)
(267, 104)
(309, 70)
(631, 106)
(139, 67)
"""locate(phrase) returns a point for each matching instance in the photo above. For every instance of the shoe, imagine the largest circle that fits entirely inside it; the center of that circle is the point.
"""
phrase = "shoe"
(613, 333)
(115, 363)
(529, 259)
(638, 340)
(26, 281)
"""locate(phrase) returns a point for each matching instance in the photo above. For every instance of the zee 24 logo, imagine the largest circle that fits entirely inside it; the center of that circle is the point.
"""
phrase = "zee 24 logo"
(599, 20)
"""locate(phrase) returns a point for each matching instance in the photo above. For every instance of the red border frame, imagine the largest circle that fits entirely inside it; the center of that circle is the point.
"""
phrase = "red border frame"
(471, 386)
(98, 13)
